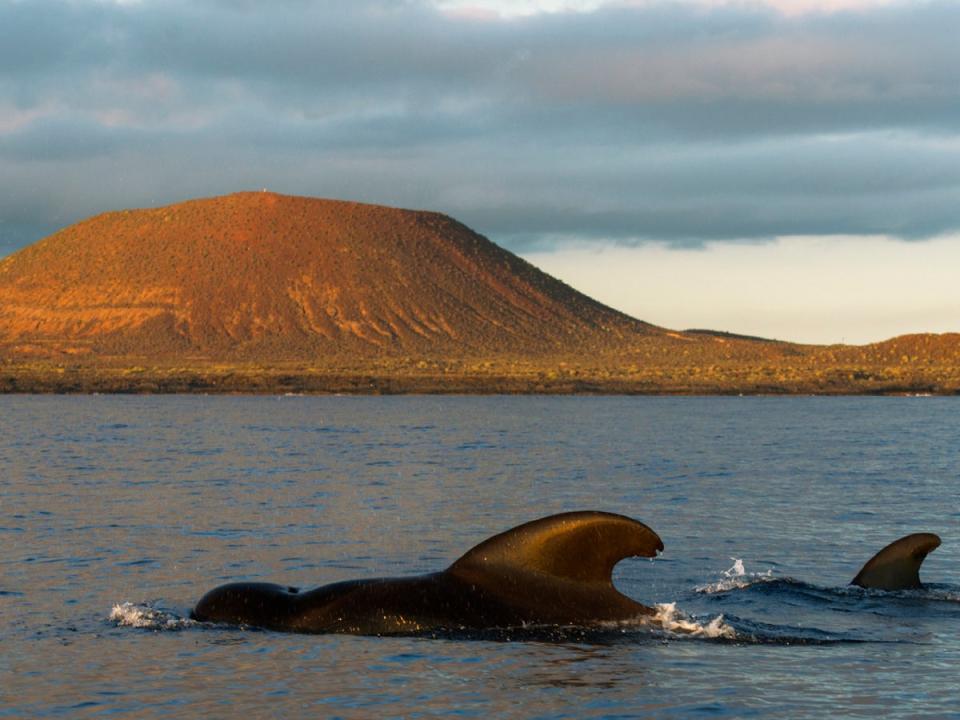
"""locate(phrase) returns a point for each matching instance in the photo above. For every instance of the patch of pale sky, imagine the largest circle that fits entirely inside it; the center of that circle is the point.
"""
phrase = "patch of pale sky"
(521, 8)
(821, 290)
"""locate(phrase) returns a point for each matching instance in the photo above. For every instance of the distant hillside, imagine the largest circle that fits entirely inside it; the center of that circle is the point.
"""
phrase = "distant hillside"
(258, 292)
(263, 276)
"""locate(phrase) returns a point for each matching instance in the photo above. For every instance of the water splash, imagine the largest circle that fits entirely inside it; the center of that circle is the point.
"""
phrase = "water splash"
(737, 570)
(677, 622)
(129, 614)
(735, 577)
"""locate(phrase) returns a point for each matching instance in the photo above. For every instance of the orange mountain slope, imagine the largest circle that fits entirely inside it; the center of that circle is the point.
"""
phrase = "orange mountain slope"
(259, 275)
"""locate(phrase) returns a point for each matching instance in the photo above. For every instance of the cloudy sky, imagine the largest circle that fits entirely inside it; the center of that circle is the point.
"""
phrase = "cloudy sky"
(787, 168)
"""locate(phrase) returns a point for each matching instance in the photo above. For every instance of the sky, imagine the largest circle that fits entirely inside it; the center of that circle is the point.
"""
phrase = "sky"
(784, 168)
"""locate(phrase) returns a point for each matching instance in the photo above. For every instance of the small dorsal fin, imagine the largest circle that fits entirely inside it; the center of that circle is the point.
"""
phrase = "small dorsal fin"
(897, 566)
(577, 546)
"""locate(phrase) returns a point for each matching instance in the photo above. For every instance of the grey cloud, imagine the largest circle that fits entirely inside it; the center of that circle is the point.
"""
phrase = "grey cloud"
(689, 71)
(62, 139)
(664, 122)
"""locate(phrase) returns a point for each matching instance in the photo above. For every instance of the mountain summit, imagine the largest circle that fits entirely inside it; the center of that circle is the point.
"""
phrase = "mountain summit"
(259, 276)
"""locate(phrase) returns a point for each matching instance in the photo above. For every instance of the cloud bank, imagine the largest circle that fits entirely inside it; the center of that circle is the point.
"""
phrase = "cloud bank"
(680, 123)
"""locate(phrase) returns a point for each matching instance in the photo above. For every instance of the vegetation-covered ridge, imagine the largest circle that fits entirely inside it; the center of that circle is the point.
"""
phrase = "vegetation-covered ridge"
(920, 364)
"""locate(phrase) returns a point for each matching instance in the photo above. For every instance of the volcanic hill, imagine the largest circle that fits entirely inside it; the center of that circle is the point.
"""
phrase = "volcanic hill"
(259, 276)
(270, 293)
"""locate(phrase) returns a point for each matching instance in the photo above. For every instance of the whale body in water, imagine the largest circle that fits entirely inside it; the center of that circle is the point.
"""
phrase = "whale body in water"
(555, 571)
(897, 566)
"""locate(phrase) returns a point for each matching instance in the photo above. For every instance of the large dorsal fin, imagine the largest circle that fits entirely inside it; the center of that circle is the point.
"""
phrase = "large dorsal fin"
(577, 546)
(897, 566)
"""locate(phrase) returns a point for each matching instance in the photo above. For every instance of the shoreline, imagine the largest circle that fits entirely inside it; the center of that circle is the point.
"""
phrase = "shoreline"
(242, 379)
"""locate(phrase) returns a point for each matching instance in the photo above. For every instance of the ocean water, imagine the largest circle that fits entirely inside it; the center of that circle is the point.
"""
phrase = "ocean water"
(118, 513)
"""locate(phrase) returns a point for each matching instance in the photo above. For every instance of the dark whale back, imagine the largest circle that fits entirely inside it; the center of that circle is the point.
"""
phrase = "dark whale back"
(552, 571)
(897, 566)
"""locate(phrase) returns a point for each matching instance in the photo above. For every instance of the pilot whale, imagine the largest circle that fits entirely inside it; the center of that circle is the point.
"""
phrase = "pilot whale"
(547, 572)
(897, 566)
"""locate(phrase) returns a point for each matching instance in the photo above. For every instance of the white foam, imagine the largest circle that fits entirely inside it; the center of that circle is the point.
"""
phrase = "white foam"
(734, 578)
(676, 621)
(128, 614)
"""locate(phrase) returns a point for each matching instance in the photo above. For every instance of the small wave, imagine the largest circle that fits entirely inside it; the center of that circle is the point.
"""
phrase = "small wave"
(129, 614)
(753, 632)
(926, 595)
(940, 594)
(735, 578)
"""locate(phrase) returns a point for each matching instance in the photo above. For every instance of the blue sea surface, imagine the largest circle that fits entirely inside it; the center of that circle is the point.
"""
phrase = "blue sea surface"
(118, 513)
